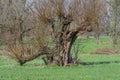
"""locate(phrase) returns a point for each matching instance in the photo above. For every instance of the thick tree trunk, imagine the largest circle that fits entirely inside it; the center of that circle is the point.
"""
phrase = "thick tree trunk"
(65, 53)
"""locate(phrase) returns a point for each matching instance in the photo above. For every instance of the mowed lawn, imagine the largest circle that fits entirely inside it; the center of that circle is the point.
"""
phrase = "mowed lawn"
(91, 67)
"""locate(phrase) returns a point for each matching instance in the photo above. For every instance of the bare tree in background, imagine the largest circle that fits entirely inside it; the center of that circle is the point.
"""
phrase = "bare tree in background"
(99, 12)
(114, 20)
(15, 23)
(12, 16)
(57, 20)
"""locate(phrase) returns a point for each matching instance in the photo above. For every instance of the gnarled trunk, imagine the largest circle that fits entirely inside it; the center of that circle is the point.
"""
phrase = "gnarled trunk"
(66, 43)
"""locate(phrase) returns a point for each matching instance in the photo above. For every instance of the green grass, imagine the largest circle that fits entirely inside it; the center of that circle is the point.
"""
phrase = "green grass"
(98, 67)
(10, 70)
(99, 72)
(89, 45)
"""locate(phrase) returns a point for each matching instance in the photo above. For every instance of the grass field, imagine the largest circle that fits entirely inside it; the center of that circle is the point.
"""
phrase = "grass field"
(91, 67)
(89, 45)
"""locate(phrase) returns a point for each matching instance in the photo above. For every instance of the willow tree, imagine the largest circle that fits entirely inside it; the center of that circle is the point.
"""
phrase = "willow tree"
(63, 21)
(66, 19)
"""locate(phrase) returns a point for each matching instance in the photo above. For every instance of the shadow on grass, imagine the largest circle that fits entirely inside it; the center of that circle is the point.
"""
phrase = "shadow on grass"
(97, 63)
